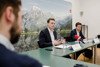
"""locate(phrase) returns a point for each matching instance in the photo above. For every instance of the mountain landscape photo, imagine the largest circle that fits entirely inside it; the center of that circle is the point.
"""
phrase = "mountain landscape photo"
(36, 13)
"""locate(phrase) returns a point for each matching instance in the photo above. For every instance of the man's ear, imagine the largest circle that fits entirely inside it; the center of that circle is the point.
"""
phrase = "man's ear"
(47, 24)
(9, 14)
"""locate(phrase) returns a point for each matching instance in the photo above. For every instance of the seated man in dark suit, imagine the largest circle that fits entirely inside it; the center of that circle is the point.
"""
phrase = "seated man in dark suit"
(78, 32)
(10, 30)
(48, 36)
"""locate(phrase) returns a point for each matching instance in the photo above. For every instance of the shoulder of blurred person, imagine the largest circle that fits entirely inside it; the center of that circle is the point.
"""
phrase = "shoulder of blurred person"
(10, 58)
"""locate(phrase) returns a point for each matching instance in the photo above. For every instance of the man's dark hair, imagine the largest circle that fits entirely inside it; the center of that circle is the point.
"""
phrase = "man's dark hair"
(78, 23)
(13, 3)
(50, 19)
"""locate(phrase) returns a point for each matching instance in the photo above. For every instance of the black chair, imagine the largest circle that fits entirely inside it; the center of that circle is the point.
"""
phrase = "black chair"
(68, 39)
(39, 44)
(98, 46)
(98, 36)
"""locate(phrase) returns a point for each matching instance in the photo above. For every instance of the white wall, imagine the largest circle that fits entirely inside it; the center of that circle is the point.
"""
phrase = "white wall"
(91, 15)
(75, 12)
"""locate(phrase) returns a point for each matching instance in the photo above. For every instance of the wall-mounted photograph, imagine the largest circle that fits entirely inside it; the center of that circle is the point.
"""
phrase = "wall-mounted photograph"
(36, 13)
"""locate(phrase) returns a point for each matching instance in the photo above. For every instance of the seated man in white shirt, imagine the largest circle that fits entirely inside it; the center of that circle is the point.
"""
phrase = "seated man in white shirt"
(48, 36)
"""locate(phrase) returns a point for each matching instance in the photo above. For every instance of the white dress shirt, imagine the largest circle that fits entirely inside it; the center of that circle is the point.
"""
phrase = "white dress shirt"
(5, 42)
(52, 35)
(78, 33)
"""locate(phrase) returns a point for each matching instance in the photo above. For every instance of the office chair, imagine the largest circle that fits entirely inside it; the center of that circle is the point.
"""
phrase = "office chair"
(98, 46)
(68, 39)
(39, 44)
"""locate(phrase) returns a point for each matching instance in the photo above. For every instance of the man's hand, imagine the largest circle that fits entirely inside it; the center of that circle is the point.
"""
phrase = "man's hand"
(85, 39)
(56, 42)
(79, 38)
(63, 41)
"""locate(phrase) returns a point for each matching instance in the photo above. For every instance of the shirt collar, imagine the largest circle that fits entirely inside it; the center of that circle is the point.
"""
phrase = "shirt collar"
(50, 30)
(77, 31)
(5, 42)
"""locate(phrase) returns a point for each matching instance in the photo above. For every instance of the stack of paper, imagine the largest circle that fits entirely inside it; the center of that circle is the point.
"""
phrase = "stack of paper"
(61, 46)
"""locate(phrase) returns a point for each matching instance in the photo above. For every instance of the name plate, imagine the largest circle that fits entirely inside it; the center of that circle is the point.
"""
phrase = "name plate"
(76, 47)
(96, 40)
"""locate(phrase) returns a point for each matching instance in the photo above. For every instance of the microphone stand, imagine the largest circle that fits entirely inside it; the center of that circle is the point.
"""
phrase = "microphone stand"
(79, 41)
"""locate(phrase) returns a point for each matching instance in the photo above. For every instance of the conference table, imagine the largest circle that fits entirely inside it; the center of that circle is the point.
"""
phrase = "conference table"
(55, 57)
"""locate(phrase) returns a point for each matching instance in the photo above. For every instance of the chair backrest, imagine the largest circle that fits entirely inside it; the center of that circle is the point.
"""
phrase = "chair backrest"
(68, 39)
(38, 44)
(98, 36)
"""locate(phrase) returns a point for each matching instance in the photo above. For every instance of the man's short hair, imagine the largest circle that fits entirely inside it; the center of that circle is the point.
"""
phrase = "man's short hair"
(78, 23)
(50, 19)
(13, 3)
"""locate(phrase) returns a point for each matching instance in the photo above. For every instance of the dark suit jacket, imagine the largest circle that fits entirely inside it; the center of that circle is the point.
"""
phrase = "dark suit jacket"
(12, 59)
(45, 38)
(73, 33)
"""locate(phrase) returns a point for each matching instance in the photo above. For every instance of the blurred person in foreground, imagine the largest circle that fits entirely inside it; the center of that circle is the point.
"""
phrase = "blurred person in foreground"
(10, 29)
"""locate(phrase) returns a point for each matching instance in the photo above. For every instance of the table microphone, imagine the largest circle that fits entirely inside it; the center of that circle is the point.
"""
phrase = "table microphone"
(76, 36)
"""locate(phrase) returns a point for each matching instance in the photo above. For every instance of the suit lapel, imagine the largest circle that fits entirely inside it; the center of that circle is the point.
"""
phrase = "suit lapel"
(75, 32)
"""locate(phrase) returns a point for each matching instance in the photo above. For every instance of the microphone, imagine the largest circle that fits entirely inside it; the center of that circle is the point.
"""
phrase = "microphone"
(76, 36)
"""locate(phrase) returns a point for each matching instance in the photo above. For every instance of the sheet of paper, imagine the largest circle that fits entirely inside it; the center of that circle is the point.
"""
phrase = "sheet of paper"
(61, 46)
(86, 41)
(96, 40)
(76, 47)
